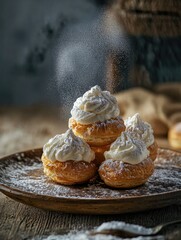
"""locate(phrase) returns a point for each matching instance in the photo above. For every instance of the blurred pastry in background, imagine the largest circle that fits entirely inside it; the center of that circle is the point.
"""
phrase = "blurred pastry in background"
(143, 131)
(127, 163)
(150, 106)
(160, 105)
(96, 119)
(174, 136)
(68, 160)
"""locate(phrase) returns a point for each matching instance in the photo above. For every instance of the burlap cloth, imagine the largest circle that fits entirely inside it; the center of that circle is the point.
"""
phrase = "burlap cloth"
(161, 106)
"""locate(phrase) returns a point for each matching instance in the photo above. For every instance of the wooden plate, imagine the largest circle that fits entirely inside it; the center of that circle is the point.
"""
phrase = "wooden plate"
(22, 178)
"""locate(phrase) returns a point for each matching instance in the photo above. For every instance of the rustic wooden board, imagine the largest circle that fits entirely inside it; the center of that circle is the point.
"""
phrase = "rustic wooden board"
(168, 6)
(23, 180)
(147, 24)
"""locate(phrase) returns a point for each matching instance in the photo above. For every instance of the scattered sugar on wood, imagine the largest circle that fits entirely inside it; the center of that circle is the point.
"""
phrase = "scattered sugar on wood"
(84, 236)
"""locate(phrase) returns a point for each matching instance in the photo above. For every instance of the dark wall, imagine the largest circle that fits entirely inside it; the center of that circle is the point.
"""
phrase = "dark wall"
(29, 32)
(52, 51)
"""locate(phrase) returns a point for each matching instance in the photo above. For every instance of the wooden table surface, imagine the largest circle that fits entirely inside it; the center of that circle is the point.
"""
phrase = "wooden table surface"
(28, 128)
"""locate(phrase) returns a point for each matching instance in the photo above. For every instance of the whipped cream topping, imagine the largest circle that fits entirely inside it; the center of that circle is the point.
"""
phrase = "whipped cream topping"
(127, 149)
(95, 106)
(140, 129)
(66, 147)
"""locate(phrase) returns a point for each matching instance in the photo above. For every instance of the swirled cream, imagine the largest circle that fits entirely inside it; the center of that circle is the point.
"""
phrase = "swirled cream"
(140, 129)
(66, 147)
(127, 149)
(95, 106)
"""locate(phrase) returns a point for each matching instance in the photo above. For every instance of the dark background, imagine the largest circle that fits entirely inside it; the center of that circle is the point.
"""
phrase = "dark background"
(30, 32)
(52, 51)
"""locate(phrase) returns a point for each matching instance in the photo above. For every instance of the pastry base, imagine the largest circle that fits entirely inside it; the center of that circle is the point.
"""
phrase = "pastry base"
(69, 172)
(99, 153)
(117, 174)
(99, 133)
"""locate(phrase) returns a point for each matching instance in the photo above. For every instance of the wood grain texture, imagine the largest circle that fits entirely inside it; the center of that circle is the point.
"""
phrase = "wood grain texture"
(29, 127)
(18, 220)
(150, 25)
(151, 5)
(149, 18)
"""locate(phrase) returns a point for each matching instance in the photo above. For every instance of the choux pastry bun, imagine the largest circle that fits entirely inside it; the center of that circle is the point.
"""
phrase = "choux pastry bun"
(174, 136)
(143, 131)
(127, 163)
(68, 159)
(96, 119)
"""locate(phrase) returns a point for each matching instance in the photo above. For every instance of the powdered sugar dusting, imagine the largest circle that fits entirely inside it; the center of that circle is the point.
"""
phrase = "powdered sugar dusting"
(83, 236)
(77, 236)
(25, 173)
(124, 226)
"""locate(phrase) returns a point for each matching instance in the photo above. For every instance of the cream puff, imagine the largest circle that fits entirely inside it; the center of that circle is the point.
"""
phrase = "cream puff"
(143, 131)
(174, 136)
(127, 163)
(68, 159)
(96, 119)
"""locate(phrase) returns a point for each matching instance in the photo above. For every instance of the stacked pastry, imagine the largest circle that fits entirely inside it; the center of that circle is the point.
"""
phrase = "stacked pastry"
(96, 119)
(98, 141)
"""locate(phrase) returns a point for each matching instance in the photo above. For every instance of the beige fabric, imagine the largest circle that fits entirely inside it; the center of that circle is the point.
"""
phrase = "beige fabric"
(161, 106)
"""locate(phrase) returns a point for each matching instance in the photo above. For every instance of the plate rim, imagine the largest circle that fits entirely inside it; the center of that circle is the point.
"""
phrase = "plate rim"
(18, 192)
